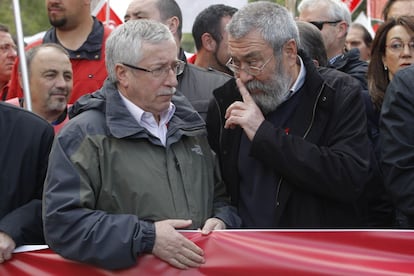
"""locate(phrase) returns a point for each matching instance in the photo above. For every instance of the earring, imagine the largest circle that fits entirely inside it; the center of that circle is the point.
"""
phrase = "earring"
(385, 67)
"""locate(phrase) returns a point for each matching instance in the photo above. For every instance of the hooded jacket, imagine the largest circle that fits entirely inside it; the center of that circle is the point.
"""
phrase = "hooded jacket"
(110, 179)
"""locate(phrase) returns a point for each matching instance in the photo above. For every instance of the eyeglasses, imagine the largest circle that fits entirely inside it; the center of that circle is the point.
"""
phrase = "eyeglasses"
(398, 46)
(7, 47)
(177, 67)
(319, 24)
(251, 70)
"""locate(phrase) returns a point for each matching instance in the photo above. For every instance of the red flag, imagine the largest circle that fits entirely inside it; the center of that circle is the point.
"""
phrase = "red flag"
(352, 4)
(100, 13)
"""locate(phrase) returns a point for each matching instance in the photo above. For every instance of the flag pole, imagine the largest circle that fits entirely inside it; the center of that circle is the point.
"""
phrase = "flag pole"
(108, 13)
(22, 57)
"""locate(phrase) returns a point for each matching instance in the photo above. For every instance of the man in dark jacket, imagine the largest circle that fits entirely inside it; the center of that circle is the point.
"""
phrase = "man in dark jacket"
(26, 140)
(134, 164)
(332, 17)
(396, 145)
(293, 149)
(196, 83)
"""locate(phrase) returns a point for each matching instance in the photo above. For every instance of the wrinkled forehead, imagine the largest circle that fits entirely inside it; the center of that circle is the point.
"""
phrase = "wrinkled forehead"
(6, 38)
(400, 8)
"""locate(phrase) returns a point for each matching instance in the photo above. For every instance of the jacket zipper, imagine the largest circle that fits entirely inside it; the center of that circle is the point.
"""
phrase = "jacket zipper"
(304, 136)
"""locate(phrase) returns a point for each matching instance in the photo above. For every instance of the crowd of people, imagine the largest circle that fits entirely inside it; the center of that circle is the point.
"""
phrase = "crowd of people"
(275, 123)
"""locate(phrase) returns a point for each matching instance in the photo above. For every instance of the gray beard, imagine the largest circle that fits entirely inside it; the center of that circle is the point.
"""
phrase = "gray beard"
(274, 91)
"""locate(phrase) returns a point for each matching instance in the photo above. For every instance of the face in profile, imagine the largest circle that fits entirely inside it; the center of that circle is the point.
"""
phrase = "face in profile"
(355, 39)
(8, 54)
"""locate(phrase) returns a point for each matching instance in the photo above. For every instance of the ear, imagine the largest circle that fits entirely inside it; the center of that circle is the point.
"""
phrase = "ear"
(121, 75)
(172, 24)
(290, 49)
(343, 29)
(208, 42)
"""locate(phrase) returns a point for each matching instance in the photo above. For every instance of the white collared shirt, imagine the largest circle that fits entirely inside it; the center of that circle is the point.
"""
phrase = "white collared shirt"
(300, 80)
(147, 119)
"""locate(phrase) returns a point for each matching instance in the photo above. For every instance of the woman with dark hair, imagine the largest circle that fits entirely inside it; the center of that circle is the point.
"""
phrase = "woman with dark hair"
(392, 49)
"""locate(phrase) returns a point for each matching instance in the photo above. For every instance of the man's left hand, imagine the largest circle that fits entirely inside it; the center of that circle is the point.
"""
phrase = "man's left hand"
(212, 224)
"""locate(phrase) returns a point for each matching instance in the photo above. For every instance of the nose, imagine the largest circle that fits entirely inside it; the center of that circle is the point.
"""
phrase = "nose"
(407, 50)
(244, 76)
(171, 79)
(61, 82)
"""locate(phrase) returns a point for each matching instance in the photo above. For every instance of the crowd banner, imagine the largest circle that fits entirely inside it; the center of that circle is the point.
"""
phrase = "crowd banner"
(238, 252)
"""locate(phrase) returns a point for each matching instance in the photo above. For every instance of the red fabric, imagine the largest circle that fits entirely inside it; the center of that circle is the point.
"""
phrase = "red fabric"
(257, 253)
(114, 19)
(192, 59)
(88, 75)
(352, 4)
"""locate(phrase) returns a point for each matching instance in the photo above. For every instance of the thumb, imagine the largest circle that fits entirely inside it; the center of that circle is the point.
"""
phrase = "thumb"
(247, 98)
(180, 223)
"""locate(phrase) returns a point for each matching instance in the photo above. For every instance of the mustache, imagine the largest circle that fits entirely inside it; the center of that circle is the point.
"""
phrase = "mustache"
(168, 92)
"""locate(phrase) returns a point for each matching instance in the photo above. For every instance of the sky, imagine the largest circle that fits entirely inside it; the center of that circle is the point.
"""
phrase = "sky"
(189, 8)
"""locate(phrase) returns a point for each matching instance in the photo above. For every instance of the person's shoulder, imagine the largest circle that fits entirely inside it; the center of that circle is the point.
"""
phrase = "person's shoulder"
(23, 119)
(208, 73)
(337, 78)
(12, 111)
(405, 73)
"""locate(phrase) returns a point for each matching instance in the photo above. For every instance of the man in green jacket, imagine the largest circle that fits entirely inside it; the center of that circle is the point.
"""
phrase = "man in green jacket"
(134, 163)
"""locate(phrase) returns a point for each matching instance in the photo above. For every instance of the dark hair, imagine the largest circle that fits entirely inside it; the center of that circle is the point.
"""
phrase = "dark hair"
(168, 9)
(378, 79)
(311, 42)
(4, 28)
(366, 36)
(209, 21)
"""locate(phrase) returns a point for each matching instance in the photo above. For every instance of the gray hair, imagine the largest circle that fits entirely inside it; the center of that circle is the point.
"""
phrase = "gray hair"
(274, 22)
(125, 42)
(337, 10)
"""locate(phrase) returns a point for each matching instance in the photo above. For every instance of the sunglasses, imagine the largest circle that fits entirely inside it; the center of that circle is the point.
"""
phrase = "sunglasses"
(319, 24)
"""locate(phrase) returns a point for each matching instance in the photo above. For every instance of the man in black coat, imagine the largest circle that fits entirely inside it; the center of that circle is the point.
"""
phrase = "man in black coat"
(26, 141)
(292, 143)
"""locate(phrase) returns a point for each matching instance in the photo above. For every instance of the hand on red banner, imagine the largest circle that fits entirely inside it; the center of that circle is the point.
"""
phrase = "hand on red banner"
(246, 114)
(7, 246)
(212, 224)
(173, 247)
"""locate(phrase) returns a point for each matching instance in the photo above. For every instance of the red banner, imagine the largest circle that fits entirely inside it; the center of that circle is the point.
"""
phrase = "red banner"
(256, 253)
(352, 4)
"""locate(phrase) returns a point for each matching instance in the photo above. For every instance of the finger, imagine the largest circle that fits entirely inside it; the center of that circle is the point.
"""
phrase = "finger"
(190, 259)
(176, 263)
(234, 106)
(179, 223)
(7, 255)
(247, 98)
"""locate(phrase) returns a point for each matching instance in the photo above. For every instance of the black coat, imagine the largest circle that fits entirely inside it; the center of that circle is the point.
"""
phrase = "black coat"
(26, 141)
(324, 162)
(397, 144)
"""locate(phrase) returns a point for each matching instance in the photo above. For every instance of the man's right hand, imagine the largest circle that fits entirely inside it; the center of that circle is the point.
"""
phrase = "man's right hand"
(7, 246)
(173, 247)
